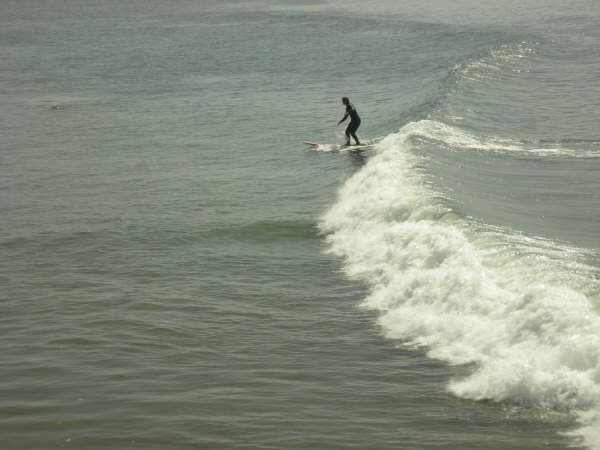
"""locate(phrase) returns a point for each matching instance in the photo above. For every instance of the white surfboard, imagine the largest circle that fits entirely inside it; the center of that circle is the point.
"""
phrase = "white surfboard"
(335, 147)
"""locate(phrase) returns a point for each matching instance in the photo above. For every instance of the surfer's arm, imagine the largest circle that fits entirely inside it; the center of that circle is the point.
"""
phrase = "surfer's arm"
(344, 118)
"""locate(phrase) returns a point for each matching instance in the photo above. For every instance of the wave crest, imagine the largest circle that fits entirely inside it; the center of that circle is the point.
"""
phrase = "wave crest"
(520, 312)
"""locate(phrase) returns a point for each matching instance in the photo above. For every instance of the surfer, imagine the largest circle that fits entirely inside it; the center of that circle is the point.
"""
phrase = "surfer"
(354, 121)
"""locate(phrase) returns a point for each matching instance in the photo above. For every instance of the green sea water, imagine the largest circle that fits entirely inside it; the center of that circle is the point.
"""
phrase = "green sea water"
(180, 271)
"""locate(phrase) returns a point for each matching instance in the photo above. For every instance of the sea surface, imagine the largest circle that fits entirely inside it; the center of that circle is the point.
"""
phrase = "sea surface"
(179, 271)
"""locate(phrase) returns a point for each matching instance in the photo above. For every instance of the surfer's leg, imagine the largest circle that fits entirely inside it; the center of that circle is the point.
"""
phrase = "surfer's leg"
(348, 131)
(352, 130)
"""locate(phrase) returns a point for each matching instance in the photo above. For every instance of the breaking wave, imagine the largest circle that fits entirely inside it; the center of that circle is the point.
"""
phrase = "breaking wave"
(518, 310)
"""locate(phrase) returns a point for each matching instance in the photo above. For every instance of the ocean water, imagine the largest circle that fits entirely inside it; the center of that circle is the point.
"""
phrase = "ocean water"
(180, 271)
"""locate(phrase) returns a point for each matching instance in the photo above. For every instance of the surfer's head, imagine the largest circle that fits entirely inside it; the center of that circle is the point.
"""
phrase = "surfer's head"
(345, 100)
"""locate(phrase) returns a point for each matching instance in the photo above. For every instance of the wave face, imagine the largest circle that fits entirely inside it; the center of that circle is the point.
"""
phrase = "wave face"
(517, 311)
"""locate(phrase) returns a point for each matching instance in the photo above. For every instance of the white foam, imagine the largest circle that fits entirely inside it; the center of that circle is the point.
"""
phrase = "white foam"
(455, 137)
(519, 310)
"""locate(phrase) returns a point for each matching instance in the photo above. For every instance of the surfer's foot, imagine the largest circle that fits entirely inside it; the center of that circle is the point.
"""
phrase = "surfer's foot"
(347, 143)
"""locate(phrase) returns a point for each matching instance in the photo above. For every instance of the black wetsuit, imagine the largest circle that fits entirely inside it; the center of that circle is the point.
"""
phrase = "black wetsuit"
(354, 123)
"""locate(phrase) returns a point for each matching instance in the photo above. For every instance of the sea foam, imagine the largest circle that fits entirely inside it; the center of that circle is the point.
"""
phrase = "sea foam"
(518, 309)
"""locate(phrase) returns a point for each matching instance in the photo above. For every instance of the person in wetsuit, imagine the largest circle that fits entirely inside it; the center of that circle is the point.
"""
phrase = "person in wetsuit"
(354, 121)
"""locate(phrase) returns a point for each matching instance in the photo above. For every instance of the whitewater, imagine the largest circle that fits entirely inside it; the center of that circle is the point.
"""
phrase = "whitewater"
(518, 314)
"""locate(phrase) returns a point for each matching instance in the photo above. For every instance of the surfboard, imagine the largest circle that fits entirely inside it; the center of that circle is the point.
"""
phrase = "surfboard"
(335, 147)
